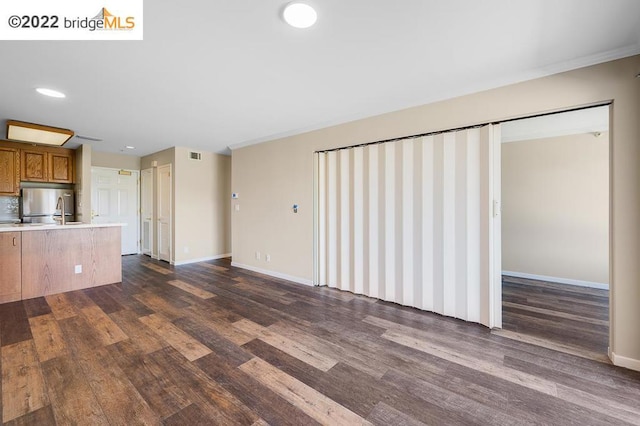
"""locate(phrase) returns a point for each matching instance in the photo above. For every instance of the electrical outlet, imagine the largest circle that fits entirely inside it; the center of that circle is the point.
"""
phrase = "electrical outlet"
(268, 258)
(186, 249)
(78, 269)
(257, 255)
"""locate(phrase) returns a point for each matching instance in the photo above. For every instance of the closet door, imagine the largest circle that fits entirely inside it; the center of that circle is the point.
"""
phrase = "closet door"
(146, 211)
(164, 219)
(413, 222)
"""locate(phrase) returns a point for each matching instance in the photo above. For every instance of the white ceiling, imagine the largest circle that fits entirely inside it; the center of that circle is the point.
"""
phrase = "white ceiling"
(213, 73)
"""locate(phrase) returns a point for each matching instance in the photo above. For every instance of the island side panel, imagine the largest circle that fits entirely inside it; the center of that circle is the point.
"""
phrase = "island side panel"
(106, 257)
(10, 269)
(49, 259)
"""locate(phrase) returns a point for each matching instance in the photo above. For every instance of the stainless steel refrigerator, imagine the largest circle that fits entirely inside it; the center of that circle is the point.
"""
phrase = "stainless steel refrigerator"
(39, 205)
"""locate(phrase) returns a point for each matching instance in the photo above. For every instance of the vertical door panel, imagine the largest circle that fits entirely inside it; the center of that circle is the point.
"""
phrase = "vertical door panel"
(164, 213)
(146, 210)
(373, 213)
(427, 222)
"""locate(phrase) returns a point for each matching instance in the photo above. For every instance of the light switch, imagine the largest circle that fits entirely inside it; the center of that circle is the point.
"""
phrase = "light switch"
(237, 207)
(78, 269)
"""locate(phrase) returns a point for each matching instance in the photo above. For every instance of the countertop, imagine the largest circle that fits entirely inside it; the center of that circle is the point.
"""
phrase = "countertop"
(22, 227)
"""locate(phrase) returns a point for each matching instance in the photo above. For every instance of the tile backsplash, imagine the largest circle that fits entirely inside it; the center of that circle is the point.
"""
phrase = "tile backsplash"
(9, 208)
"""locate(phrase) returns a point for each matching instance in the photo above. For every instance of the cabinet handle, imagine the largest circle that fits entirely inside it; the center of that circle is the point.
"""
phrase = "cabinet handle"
(14, 241)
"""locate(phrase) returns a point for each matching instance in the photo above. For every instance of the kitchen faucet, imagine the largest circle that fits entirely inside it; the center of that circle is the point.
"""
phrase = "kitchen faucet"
(60, 205)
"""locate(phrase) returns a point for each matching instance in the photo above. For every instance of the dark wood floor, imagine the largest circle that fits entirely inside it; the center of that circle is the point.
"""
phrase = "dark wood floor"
(565, 317)
(210, 344)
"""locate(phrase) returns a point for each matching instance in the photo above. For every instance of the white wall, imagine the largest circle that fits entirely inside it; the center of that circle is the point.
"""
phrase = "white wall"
(270, 177)
(115, 161)
(555, 207)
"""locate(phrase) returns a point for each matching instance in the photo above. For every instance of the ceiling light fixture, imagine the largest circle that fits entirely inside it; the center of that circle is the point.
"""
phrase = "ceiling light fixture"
(50, 92)
(130, 147)
(36, 133)
(299, 15)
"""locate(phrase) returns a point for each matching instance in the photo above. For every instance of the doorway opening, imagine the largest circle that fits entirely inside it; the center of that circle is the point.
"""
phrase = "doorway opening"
(555, 231)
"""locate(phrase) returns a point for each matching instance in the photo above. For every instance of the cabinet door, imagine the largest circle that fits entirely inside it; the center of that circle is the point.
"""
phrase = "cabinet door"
(34, 166)
(9, 171)
(60, 168)
(10, 267)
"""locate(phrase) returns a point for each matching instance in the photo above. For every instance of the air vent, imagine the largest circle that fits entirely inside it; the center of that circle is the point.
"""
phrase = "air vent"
(195, 156)
(88, 138)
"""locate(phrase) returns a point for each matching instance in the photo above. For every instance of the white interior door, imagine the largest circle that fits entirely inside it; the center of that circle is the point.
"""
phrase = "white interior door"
(415, 222)
(114, 199)
(164, 212)
(146, 211)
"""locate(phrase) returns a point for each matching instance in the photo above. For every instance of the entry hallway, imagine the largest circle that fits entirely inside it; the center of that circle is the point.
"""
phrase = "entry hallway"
(211, 344)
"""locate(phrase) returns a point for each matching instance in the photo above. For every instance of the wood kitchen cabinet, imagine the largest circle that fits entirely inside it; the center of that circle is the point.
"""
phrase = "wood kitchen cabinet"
(34, 166)
(60, 167)
(34, 163)
(10, 266)
(9, 171)
(40, 165)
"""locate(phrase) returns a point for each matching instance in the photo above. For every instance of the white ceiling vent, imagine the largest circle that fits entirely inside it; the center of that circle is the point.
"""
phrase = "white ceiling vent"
(195, 156)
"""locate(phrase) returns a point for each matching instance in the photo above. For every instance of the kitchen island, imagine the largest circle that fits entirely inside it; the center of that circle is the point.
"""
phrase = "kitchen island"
(38, 260)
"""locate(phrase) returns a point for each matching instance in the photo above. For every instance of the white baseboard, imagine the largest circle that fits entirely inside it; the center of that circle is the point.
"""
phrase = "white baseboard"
(602, 286)
(621, 361)
(296, 280)
(202, 259)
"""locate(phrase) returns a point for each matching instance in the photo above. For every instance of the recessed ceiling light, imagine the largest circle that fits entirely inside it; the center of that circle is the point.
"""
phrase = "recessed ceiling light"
(300, 15)
(50, 92)
(130, 147)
